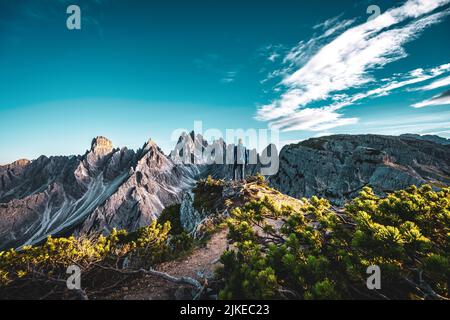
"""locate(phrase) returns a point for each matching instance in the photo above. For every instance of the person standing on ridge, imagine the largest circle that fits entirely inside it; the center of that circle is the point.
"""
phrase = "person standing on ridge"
(240, 160)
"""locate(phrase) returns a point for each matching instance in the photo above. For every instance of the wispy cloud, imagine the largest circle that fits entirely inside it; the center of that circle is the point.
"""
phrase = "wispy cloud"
(216, 64)
(230, 76)
(325, 118)
(324, 67)
(438, 100)
(396, 82)
(420, 123)
(272, 52)
(436, 84)
(274, 56)
(312, 119)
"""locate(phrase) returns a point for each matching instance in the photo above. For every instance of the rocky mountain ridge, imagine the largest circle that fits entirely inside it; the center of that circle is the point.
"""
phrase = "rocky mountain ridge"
(125, 189)
(338, 167)
(102, 189)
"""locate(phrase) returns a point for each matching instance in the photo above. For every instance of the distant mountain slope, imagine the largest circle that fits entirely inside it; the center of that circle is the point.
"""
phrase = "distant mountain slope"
(337, 167)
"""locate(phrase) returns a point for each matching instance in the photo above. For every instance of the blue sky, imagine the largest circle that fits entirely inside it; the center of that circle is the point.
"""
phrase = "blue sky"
(141, 69)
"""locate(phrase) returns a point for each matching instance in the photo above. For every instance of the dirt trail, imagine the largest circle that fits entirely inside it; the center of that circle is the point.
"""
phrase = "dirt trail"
(202, 261)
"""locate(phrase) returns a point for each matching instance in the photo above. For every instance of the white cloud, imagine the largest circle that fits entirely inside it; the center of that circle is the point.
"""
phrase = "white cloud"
(397, 82)
(229, 77)
(436, 84)
(215, 64)
(273, 57)
(347, 62)
(439, 133)
(313, 119)
(272, 52)
(327, 23)
(439, 100)
(420, 122)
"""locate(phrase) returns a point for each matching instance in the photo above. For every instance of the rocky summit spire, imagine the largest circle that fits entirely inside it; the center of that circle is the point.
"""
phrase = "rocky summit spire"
(101, 145)
(95, 158)
(150, 144)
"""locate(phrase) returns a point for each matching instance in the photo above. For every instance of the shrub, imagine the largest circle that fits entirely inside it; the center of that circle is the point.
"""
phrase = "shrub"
(142, 249)
(172, 214)
(319, 254)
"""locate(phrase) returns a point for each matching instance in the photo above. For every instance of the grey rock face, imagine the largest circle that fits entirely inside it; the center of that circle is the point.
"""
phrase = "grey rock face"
(190, 218)
(33, 203)
(11, 174)
(154, 183)
(93, 193)
(337, 167)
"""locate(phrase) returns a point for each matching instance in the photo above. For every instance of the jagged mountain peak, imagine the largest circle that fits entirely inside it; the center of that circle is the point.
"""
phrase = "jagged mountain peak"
(151, 157)
(102, 189)
(101, 145)
(189, 148)
(151, 144)
(94, 159)
(21, 162)
(192, 137)
(151, 150)
(17, 164)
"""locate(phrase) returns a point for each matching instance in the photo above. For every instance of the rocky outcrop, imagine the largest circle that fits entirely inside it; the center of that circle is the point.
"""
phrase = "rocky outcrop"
(337, 167)
(190, 218)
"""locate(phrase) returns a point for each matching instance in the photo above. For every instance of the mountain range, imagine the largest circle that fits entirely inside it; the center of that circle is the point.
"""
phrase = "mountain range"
(108, 188)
